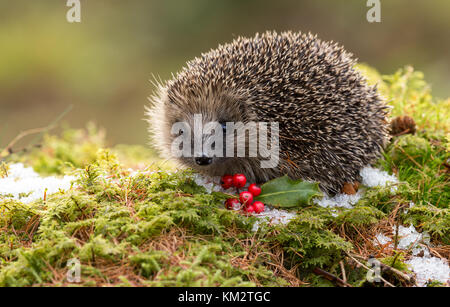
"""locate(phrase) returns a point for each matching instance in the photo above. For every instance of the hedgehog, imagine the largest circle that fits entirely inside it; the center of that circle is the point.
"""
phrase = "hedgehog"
(331, 123)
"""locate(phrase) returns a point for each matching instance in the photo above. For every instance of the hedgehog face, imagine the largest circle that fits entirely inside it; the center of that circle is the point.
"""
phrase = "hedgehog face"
(213, 133)
(198, 126)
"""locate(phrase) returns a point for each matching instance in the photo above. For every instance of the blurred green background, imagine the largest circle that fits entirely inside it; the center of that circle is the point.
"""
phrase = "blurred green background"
(102, 66)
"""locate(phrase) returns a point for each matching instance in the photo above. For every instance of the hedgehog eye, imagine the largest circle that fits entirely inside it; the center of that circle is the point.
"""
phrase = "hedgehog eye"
(180, 130)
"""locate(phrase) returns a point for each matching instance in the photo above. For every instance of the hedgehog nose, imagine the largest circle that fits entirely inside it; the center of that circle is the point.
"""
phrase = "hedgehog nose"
(203, 160)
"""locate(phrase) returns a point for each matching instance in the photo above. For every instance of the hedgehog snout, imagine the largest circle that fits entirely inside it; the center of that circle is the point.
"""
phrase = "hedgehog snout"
(203, 160)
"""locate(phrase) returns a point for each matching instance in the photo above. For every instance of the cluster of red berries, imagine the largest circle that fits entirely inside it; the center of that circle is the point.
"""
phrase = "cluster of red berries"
(245, 200)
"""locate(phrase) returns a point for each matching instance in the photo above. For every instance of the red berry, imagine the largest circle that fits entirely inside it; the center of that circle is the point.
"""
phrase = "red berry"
(246, 198)
(250, 209)
(227, 181)
(258, 206)
(254, 189)
(232, 204)
(239, 180)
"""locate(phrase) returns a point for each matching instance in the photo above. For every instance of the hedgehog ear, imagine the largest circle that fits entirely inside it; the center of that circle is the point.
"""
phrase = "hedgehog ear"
(244, 110)
(236, 108)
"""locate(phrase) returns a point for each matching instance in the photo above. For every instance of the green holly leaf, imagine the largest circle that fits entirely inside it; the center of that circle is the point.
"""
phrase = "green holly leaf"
(285, 192)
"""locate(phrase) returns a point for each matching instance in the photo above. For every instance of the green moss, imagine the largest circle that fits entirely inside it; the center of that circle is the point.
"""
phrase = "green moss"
(78, 148)
(409, 94)
(309, 242)
(435, 221)
(74, 149)
(4, 168)
(420, 161)
(360, 216)
(111, 216)
(435, 283)
(396, 261)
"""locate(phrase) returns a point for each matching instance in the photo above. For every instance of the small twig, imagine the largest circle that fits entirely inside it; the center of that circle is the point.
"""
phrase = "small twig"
(403, 132)
(344, 276)
(8, 149)
(369, 269)
(395, 271)
(409, 157)
(397, 225)
(404, 276)
(331, 277)
(397, 254)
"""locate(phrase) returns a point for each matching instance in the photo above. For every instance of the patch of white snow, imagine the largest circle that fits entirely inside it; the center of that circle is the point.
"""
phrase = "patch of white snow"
(430, 268)
(273, 216)
(24, 184)
(425, 266)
